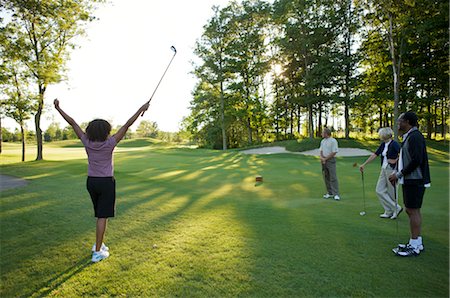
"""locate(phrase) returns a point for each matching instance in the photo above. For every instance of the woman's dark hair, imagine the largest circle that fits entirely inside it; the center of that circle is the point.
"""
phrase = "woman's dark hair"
(98, 130)
(411, 117)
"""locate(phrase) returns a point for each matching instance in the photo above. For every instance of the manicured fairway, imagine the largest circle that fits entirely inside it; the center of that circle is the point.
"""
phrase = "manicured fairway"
(216, 232)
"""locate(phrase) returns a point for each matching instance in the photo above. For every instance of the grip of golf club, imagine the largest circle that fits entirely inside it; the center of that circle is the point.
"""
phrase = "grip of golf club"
(142, 115)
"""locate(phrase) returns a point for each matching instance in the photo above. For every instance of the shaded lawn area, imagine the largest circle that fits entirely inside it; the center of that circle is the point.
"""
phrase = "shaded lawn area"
(217, 233)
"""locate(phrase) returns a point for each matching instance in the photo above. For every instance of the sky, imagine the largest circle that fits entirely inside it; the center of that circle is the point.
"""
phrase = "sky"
(121, 59)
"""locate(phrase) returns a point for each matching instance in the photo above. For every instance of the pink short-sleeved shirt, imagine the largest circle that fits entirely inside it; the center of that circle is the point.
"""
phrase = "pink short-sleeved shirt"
(100, 156)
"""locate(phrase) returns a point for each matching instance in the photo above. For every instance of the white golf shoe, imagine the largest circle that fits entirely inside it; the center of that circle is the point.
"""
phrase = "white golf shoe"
(386, 215)
(103, 247)
(97, 256)
(397, 213)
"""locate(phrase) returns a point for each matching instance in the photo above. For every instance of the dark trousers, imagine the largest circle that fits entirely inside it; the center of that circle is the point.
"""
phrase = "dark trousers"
(330, 177)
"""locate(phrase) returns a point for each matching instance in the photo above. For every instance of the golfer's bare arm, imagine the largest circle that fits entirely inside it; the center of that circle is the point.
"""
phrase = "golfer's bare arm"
(123, 130)
(79, 132)
(369, 159)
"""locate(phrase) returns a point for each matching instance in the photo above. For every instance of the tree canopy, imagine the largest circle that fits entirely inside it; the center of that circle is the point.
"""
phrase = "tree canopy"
(280, 70)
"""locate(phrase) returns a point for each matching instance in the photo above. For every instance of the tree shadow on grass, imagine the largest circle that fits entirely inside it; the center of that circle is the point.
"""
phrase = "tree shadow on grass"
(289, 241)
(51, 285)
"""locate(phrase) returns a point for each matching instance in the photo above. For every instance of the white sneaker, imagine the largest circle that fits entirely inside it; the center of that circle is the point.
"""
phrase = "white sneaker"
(403, 247)
(337, 198)
(97, 256)
(327, 196)
(386, 215)
(397, 213)
(408, 251)
(103, 247)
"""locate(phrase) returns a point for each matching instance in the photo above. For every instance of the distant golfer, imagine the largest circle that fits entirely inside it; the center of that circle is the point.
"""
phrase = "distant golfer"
(328, 150)
(388, 151)
(413, 173)
(101, 184)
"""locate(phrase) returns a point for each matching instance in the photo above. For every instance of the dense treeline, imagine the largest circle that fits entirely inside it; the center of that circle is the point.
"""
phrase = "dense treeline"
(273, 71)
(145, 129)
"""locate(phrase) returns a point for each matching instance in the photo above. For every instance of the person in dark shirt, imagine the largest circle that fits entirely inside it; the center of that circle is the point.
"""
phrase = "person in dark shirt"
(388, 151)
(413, 173)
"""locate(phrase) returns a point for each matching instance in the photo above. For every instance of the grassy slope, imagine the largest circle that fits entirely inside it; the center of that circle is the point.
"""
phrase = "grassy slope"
(217, 233)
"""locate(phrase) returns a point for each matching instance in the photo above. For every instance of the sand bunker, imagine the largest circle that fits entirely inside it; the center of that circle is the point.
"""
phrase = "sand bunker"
(315, 152)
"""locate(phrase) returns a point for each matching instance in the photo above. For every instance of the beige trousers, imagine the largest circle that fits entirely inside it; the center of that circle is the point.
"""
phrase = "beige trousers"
(385, 192)
(330, 177)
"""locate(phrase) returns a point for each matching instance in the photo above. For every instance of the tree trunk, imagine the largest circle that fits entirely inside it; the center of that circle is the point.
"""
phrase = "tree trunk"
(310, 121)
(348, 44)
(222, 117)
(37, 122)
(299, 124)
(429, 121)
(22, 132)
(386, 118)
(347, 120)
(443, 119)
(435, 117)
(381, 117)
(249, 128)
(286, 118)
(277, 116)
(292, 123)
(277, 127)
(319, 121)
(396, 63)
(1, 135)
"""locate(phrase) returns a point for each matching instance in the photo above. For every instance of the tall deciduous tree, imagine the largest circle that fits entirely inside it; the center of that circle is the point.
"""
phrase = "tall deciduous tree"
(391, 18)
(17, 101)
(41, 33)
(213, 69)
(250, 63)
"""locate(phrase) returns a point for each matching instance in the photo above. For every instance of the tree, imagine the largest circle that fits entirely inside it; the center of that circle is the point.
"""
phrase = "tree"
(346, 56)
(391, 19)
(211, 50)
(308, 45)
(18, 102)
(41, 33)
(147, 129)
(249, 63)
(53, 133)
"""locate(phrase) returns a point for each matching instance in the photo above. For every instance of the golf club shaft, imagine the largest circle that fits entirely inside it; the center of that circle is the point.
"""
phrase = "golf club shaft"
(396, 212)
(364, 191)
(160, 80)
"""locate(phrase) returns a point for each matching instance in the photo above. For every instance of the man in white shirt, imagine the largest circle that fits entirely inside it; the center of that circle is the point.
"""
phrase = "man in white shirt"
(328, 150)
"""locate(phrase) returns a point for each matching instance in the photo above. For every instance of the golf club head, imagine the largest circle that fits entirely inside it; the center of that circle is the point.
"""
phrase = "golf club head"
(173, 49)
(362, 213)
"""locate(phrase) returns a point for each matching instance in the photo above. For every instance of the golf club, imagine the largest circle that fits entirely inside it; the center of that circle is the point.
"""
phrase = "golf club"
(362, 213)
(174, 53)
(396, 204)
(324, 180)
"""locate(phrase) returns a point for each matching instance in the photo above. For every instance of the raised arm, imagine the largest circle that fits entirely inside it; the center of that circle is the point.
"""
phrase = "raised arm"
(123, 130)
(69, 119)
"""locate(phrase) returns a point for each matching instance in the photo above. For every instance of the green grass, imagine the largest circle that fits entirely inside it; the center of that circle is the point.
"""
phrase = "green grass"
(218, 234)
